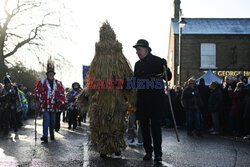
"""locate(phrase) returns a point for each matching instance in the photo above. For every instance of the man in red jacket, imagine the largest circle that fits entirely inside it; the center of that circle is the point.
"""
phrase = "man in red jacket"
(50, 94)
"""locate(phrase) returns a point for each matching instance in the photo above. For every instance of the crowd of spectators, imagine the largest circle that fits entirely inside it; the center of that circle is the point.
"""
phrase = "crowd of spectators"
(218, 108)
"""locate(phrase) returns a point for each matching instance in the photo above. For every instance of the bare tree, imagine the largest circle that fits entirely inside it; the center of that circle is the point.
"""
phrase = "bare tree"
(15, 18)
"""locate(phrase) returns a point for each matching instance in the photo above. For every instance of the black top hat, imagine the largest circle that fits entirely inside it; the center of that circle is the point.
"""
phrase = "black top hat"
(142, 43)
(50, 66)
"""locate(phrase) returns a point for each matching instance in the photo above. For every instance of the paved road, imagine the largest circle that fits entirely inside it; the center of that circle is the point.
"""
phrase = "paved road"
(71, 148)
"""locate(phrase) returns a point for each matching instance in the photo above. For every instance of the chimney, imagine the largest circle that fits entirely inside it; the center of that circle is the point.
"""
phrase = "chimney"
(177, 7)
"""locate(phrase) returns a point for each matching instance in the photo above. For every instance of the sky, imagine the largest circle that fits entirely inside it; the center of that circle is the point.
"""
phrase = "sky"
(136, 19)
(131, 20)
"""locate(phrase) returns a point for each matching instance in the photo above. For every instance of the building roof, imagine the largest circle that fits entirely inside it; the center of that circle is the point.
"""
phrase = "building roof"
(209, 77)
(232, 26)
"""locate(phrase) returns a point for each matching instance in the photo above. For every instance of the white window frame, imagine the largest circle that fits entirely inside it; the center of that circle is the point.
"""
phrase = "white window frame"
(208, 56)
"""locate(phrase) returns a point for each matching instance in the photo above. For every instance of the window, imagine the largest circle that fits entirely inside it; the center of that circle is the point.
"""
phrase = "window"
(208, 55)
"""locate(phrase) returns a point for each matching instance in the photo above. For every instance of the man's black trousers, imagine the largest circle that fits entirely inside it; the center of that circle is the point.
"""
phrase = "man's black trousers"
(152, 128)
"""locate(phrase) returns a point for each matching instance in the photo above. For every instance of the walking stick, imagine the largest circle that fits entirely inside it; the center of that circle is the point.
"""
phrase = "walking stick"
(169, 98)
(35, 119)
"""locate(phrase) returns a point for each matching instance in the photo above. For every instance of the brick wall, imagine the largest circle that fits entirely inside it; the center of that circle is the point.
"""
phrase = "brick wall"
(224, 53)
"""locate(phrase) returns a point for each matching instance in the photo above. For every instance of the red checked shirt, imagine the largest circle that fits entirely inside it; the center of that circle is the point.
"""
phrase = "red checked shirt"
(50, 100)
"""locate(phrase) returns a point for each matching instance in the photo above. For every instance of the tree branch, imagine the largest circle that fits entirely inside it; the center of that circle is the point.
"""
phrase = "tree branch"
(28, 7)
(33, 34)
(5, 7)
(8, 62)
(15, 35)
(19, 45)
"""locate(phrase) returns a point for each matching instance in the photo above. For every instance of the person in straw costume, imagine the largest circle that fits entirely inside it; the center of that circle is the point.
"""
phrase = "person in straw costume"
(105, 96)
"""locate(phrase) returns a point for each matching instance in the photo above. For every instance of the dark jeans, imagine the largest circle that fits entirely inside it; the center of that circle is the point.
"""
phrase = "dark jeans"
(57, 125)
(49, 119)
(65, 116)
(154, 126)
(206, 121)
(72, 115)
(216, 120)
(6, 120)
(193, 118)
(9, 119)
(235, 124)
(246, 126)
(84, 117)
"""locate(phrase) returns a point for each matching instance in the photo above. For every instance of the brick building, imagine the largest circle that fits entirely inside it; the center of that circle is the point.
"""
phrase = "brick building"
(219, 44)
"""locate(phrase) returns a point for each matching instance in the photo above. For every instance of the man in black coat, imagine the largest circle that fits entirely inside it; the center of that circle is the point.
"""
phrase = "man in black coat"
(149, 74)
(204, 93)
(192, 103)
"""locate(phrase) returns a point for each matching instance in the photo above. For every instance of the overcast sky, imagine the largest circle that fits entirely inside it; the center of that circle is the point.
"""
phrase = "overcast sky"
(135, 19)
(131, 20)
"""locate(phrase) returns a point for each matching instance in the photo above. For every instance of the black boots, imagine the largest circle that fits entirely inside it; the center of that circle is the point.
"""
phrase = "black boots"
(147, 157)
(103, 155)
(44, 139)
(158, 158)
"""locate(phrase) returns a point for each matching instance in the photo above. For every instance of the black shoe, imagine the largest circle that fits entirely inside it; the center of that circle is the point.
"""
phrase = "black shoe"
(103, 155)
(199, 134)
(52, 138)
(57, 130)
(15, 130)
(147, 157)
(118, 153)
(44, 139)
(158, 159)
(69, 127)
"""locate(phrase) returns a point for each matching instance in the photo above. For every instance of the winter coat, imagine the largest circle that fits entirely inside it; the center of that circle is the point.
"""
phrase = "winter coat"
(191, 99)
(150, 100)
(23, 104)
(10, 97)
(50, 100)
(71, 100)
(247, 103)
(227, 102)
(215, 101)
(237, 103)
(204, 93)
